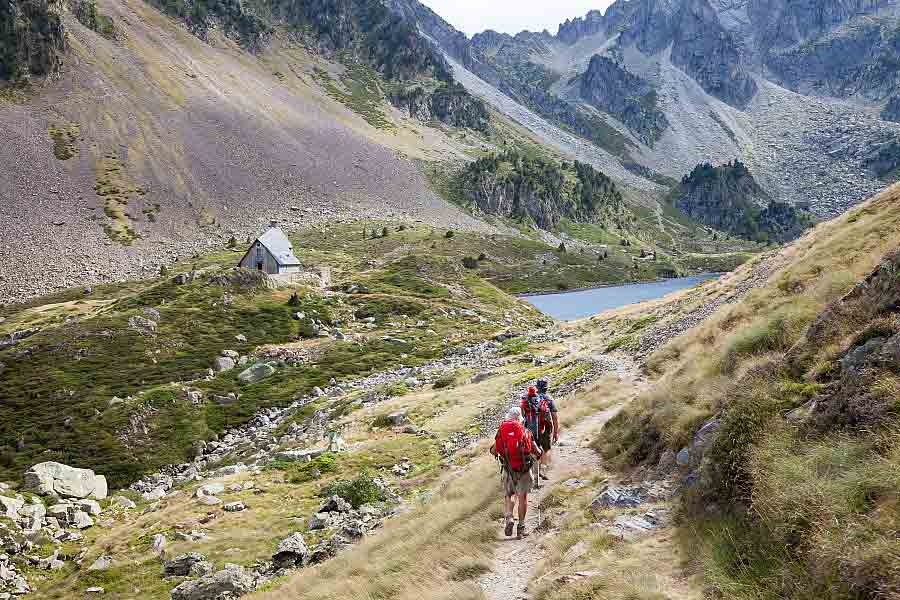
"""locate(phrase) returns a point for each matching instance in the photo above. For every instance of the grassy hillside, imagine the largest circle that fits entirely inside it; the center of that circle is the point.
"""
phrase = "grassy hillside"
(796, 494)
(57, 399)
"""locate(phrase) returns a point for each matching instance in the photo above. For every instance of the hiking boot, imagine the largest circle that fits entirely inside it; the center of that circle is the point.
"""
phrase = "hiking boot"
(509, 528)
(521, 532)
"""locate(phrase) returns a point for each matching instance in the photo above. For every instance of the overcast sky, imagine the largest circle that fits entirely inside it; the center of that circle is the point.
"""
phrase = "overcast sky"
(511, 16)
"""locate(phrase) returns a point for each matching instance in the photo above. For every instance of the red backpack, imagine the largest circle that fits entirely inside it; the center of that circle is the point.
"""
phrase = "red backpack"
(513, 445)
(537, 413)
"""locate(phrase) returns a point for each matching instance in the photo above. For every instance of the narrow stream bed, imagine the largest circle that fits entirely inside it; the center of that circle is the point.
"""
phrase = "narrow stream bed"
(569, 306)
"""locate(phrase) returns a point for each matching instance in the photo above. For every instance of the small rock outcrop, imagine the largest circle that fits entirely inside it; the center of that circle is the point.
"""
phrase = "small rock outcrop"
(291, 553)
(192, 564)
(256, 373)
(57, 479)
(231, 582)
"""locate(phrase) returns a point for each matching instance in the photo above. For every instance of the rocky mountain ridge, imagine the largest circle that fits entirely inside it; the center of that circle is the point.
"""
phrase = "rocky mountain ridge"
(765, 60)
(729, 199)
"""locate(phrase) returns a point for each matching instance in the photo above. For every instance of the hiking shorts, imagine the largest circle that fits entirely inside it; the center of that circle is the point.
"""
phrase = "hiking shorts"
(516, 483)
(545, 440)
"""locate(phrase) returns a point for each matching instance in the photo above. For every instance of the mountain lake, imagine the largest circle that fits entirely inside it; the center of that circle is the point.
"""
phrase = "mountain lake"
(570, 306)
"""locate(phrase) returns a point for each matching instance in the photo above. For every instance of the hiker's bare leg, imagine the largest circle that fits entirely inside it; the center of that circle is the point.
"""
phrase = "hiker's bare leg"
(523, 507)
(510, 503)
(545, 458)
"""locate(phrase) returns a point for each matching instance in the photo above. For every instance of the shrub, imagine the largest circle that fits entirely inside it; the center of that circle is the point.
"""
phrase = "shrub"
(449, 234)
(774, 333)
(444, 381)
(516, 345)
(384, 232)
(469, 262)
(327, 463)
(561, 247)
(470, 569)
(163, 271)
(232, 243)
(401, 228)
(362, 490)
(482, 257)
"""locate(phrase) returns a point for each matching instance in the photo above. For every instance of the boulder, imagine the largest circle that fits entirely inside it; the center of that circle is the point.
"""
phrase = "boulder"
(154, 494)
(234, 507)
(256, 373)
(31, 516)
(320, 521)
(335, 504)
(82, 520)
(92, 507)
(292, 552)
(617, 497)
(57, 479)
(183, 564)
(159, 542)
(210, 489)
(397, 418)
(11, 506)
(223, 363)
(210, 501)
(101, 564)
(299, 455)
(123, 502)
(704, 438)
(231, 582)
(230, 470)
(62, 512)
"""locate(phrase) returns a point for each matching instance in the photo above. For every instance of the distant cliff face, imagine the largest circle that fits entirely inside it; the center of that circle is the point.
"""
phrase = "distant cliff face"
(32, 39)
(710, 54)
(574, 29)
(610, 87)
(891, 110)
(448, 103)
(516, 186)
(729, 199)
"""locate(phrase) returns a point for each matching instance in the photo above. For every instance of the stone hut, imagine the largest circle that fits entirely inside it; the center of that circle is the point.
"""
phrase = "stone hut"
(272, 253)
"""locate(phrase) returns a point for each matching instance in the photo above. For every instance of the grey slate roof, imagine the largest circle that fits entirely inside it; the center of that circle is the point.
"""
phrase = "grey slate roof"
(278, 244)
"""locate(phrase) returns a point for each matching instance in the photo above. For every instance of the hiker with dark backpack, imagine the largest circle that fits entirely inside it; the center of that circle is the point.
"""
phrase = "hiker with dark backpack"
(540, 421)
(550, 435)
(516, 450)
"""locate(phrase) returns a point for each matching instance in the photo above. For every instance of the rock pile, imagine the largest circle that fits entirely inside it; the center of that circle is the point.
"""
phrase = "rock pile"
(27, 525)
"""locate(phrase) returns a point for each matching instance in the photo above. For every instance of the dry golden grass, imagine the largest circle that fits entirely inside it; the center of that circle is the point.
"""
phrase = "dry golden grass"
(697, 368)
(422, 554)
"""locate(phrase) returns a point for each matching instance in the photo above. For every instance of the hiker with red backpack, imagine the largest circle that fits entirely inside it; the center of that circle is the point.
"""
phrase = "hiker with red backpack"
(516, 450)
(542, 420)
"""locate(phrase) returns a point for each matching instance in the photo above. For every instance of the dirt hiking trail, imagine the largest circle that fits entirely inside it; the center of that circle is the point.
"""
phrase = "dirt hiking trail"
(515, 561)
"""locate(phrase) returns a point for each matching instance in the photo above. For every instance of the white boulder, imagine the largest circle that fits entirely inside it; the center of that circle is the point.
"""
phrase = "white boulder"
(57, 479)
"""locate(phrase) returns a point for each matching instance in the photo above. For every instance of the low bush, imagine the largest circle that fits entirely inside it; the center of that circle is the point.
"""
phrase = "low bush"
(469, 262)
(359, 491)
(445, 381)
(322, 465)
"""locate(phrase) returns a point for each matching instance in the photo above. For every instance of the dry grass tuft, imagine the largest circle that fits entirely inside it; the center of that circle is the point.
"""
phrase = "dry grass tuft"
(432, 552)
